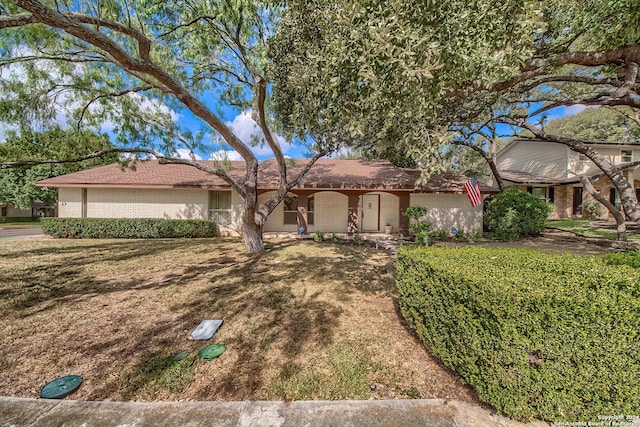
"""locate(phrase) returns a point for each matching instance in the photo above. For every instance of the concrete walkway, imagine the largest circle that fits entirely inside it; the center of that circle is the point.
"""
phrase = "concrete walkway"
(387, 413)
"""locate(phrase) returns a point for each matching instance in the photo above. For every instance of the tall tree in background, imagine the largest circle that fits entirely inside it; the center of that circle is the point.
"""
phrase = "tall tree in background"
(46, 150)
(430, 69)
(598, 124)
(137, 64)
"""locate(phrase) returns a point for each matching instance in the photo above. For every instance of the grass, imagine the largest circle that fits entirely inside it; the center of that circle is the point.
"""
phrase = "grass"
(585, 228)
(301, 321)
(19, 224)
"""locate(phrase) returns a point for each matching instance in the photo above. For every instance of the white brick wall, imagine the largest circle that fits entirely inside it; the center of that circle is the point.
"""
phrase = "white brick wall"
(135, 203)
(70, 202)
(449, 210)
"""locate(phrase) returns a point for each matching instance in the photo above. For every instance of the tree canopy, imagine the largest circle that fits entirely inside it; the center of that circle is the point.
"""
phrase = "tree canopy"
(17, 185)
(136, 66)
(437, 71)
(598, 124)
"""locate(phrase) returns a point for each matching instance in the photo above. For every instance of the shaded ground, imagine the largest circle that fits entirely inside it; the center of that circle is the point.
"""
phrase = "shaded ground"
(302, 321)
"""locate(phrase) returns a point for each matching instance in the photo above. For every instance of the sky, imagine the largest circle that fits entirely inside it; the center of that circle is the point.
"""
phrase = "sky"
(240, 122)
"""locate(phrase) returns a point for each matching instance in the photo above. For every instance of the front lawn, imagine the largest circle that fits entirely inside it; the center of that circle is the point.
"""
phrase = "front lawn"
(301, 321)
(589, 228)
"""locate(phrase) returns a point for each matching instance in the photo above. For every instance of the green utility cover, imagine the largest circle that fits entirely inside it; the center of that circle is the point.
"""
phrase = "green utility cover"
(212, 351)
(61, 387)
(181, 355)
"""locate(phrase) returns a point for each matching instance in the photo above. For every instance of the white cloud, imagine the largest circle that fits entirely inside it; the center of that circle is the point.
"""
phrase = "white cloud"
(225, 155)
(248, 131)
(574, 109)
(184, 153)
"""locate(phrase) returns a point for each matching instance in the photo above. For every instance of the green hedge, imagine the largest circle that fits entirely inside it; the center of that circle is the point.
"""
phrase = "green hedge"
(7, 219)
(631, 259)
(553, 337)
(126, 228)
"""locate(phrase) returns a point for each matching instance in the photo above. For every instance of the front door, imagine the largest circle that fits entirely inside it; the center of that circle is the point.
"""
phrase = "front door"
(371, 212)
(577, 200)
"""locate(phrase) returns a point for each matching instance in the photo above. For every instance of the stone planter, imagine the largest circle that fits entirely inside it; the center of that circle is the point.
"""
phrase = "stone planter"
(388, 229)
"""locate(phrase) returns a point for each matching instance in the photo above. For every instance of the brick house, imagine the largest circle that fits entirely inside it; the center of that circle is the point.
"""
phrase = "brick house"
(551, 171)
(334, 196)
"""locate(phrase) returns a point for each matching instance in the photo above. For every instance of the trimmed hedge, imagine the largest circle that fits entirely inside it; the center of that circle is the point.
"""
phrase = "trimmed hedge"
(632, 259)
(5, 219)
(126, 228)
(553, 337)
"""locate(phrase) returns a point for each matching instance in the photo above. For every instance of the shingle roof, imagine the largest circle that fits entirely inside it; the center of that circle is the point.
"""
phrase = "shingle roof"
(520, 177)
(326, 173)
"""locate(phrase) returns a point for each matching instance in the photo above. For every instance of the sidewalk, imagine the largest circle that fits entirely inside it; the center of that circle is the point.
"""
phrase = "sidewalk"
(388, 413)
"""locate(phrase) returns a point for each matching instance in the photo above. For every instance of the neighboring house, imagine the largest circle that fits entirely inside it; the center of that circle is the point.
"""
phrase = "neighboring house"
(335, 196)
(38, 208)
(551, 171)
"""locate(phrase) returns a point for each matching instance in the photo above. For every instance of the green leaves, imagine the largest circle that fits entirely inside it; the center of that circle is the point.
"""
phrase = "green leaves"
(17, 185)
(544, 336)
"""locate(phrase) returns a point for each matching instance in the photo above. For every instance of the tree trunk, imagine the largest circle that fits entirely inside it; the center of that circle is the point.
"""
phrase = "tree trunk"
(252, 237)
(621, 226)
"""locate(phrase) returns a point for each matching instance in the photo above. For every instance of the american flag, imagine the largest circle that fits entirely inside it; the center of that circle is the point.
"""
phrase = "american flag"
(472, 188)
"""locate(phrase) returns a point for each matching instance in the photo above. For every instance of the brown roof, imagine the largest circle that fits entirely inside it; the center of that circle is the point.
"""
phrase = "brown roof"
(325, 174)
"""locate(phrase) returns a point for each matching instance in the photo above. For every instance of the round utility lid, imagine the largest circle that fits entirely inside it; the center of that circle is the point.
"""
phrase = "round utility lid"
(181, 355)
(61, 387)
(212, 351)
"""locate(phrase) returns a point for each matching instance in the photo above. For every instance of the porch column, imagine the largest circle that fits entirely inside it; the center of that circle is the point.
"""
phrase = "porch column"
(403, 204)
(302, 213)
(352, 219)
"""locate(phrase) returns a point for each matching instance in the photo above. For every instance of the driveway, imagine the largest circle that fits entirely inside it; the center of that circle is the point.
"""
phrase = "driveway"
(18, 232)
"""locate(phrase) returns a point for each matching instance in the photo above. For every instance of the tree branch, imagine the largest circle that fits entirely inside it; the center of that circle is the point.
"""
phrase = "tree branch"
(17, 20)
(144, 44)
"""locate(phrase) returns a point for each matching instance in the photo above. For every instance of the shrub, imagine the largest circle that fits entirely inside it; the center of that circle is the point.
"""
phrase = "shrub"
(126, 228)
(422, 229)
(632, 259)
(513, 214)
(318, 236)
(442, 235)
(592, 209)
(553, 337)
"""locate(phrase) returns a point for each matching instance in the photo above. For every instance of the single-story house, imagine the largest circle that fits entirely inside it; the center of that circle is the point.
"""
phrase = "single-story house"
(335, 196)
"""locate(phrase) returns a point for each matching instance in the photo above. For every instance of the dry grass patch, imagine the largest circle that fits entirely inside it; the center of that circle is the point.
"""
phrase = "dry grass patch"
(301, 321)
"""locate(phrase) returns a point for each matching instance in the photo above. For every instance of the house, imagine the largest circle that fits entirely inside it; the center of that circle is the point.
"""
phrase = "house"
(551, 171)
(335, 196)
(38, 208)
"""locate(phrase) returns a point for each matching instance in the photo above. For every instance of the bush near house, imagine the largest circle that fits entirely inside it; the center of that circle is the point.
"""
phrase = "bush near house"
(513, 214)
(126, 228)
(553, 337)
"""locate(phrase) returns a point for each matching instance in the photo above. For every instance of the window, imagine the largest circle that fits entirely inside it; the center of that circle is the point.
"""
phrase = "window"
(626, 156)
(544, 193)
(291, 206)
(290, 209)
(220, 207)
(614, 198)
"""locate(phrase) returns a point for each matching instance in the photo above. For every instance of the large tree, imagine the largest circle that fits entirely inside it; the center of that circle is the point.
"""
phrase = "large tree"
(432, 69)
(136, 65)
(46, 152)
